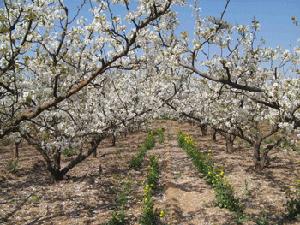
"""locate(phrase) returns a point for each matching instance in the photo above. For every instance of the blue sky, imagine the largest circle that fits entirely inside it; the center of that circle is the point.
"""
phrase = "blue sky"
(274, 16)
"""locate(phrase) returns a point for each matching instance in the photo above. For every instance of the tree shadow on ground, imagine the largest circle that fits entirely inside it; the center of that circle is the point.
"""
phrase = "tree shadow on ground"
(37, 176)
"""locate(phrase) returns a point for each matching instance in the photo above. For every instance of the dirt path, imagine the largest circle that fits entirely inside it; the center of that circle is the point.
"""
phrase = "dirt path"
(186, 198)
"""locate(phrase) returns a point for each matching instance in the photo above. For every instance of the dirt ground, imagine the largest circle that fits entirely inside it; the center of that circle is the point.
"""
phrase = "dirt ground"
(88, 196)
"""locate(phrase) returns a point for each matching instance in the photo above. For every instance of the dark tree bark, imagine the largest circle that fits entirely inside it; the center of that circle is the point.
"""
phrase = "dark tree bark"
(257, 153)
(53, 164)
(214, 135)
(229, 138)
(16, 150)
(203, 128)
(114, 140)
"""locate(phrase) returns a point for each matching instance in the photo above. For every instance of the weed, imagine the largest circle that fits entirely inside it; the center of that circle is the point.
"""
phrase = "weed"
(247, 191)
(118, 218)
(293, 202)
(153, 173)
(136, 161)
(214, 176)
(34, 199)
(149, 215)
(12, 166)
(69, 152)
(150, 141)
(262, 219)
(160, 132)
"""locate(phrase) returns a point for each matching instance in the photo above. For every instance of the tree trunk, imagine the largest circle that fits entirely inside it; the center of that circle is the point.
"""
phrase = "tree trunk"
(229, 142)
(114, 139)
(56, 174)
(54, 161)
(257, 154)
(229, 138)
(203, 128)
(79, 158)
(264, 161)
(57, 159)
(95, 153)
(214, 135)
(16, 151)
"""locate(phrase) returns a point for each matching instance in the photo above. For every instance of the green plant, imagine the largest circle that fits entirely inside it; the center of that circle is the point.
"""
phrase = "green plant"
(262, 219)
(149, 215)
(293, 208)
(150, 141)
(136, 161)
(160, 132)
(165, 117)
(247, 191)
(118, 218)
(69, 152)
(293, 202)
(34, 199)
(214, 176)
(240, 218)
(12, 166)
(153, 173)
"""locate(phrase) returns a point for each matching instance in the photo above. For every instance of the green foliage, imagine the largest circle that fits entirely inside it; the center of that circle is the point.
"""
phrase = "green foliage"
(12, 165)
(118, 218)
(214, 176)
(149, 215)
(165, 117)
(122, 197)
(293, 208)
(160, 133)
(262, 219)
(69, 152)
(153, 173)
(150, 141)
(240, 218)
(34, 199)
(293, 202)
(136, 161)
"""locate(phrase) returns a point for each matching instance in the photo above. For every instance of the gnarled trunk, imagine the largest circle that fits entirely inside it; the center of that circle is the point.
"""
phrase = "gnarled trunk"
(57, 159)
(257, 154)
(264, 161)
(114, 140)
(214, 135)
(203, 128)
(229, 138)
(16, 150)
(56, 174)
(54, 161)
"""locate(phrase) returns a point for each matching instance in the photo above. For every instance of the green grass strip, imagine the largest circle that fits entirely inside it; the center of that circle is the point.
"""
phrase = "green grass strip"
(149, 215)
(136, 161)
(213, 175)
(118, 216)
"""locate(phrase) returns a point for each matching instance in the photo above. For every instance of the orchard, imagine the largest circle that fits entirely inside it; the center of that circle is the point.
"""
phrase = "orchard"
(111, 113)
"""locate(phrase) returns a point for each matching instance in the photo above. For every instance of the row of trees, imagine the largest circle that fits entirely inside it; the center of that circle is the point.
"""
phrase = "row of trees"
(69, 82)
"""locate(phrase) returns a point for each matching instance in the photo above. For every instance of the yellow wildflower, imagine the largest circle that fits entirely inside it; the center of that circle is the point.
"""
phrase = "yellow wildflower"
(162, 213)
